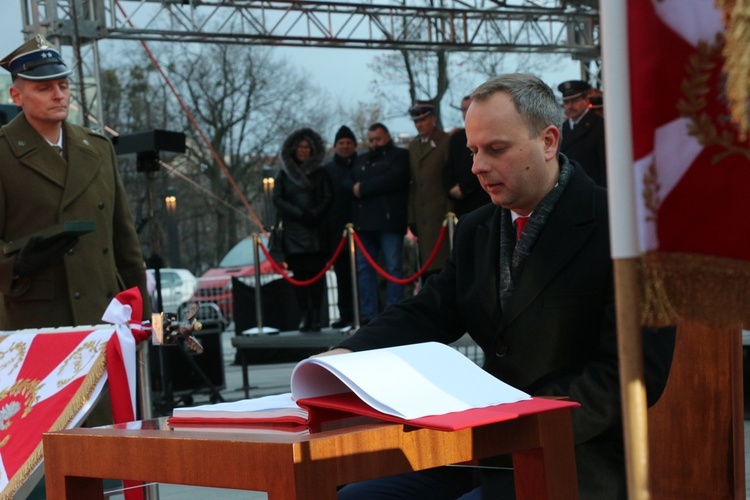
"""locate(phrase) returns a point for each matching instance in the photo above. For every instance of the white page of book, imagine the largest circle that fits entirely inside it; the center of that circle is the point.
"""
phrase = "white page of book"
(277, 405)
(410, 381)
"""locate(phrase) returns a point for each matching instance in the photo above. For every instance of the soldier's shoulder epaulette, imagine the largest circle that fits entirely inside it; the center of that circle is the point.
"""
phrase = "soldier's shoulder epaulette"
(94, 133)
(98, 136)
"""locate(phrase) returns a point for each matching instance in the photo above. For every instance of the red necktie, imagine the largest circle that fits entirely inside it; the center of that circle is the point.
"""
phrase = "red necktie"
(520, 224)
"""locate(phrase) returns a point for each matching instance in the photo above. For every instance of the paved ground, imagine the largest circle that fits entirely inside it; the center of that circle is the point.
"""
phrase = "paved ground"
(264, 380)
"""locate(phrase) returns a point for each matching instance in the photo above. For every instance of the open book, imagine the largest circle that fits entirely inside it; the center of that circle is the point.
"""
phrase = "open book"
(426, 385)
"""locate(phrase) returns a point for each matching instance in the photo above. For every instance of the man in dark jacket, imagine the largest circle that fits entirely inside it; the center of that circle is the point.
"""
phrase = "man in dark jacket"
(461, 184)
(380, 185)
(339, 215)
(583, 131)
(538, 299)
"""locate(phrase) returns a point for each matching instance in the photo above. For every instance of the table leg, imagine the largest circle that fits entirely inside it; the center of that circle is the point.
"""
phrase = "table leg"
(245, 380)
(62, 487)
(548, 472)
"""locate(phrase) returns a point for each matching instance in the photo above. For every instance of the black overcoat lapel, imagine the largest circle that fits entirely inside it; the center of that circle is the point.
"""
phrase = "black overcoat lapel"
(569, 226)
(487, 248)
(580, 131)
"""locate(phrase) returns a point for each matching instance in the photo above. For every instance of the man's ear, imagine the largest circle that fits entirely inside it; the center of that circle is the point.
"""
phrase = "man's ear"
(551, 138)
(15, 95)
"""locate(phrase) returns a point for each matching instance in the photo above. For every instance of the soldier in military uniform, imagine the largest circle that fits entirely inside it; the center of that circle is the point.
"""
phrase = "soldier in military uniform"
(428, 200)
(53, 172)
(583, 131)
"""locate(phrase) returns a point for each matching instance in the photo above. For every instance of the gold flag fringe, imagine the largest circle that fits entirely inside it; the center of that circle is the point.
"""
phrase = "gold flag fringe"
(677, 287)
(71, 410)
(736, 14)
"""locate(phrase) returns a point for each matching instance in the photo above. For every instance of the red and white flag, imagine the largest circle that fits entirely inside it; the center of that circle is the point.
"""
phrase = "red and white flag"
(50, 378)
(692, 170)
(680, 168)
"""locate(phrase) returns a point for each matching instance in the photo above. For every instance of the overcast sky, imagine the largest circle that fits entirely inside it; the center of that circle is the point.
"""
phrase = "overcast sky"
(344, 72)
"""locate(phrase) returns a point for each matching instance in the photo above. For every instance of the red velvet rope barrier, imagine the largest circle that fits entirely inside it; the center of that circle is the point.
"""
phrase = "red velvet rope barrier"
(277, 267)
(413, 277)
(399, 281)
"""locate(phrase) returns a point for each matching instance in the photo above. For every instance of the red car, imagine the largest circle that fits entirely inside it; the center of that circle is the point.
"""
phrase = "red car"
(214, 291)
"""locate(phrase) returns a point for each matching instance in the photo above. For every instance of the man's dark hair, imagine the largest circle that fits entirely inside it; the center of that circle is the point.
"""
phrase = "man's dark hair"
(378, 125)
(533, 98)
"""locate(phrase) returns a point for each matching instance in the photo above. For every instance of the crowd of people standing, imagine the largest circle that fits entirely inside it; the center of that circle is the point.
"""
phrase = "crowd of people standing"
(388, 192)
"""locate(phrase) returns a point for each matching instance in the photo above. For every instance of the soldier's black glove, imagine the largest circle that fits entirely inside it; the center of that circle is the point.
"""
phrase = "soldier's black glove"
(37, 254)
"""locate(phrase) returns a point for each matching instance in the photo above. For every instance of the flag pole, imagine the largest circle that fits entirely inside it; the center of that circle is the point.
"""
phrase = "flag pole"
(624, 241)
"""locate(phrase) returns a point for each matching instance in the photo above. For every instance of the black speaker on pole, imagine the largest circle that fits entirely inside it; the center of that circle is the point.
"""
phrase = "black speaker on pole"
(147, 146)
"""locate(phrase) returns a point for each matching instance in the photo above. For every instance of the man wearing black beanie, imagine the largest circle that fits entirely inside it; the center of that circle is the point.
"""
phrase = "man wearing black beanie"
(339, 169)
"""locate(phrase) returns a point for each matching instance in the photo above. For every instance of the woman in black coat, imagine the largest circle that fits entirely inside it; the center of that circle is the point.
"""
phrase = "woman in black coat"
(302, 193)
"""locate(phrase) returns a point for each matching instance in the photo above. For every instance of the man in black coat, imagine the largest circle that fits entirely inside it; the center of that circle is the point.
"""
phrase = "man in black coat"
(380, 185)
(538, 299)
(339, 215)
(461, 184)
(583, 131)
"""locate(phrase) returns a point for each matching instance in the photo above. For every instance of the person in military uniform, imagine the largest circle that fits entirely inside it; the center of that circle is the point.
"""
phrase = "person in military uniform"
(428, 200)
(583, 131)
(53, 172)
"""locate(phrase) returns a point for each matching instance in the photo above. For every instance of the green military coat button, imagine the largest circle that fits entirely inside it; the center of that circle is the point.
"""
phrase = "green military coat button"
(105, 250)
(77, 295)
(101, 205)
(71, 251)
(501, 351)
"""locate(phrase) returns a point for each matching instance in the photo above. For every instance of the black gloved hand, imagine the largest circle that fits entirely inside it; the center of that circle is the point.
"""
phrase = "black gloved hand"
(308, 218)
(37, 255)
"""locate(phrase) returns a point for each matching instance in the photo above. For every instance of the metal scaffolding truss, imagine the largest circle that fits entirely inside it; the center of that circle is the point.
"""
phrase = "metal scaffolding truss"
(481, 25)
(542, 26)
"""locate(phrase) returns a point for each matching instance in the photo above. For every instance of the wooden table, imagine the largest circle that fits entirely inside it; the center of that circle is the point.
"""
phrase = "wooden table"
(305, 466)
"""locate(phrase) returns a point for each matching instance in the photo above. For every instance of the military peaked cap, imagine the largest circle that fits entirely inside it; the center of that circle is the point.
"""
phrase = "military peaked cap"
(37, 59)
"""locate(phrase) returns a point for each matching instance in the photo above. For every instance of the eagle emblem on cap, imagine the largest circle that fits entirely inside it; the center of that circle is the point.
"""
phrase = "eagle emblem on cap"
(42, 42)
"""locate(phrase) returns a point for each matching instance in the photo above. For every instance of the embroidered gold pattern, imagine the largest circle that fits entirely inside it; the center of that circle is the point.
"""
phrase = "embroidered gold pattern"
(15, 355)
(651, 189)
(21, 396)
(77, 358)
(736, 17)
(695, 89)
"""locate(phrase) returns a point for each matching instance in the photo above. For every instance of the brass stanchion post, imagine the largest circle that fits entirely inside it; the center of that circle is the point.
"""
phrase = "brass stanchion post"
(349, 231)
(451, 228)
(258, 302)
